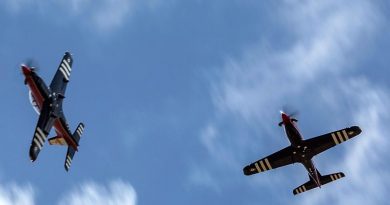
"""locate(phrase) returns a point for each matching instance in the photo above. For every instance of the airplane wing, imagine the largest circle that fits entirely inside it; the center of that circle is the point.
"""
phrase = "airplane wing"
(62, 76)
(45, 123)
(273, 161)
(326, 141)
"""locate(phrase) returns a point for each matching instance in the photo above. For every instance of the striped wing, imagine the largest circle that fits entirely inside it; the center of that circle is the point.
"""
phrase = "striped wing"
(324, 142)
(62, 76)
(273, 161)
(44, 125)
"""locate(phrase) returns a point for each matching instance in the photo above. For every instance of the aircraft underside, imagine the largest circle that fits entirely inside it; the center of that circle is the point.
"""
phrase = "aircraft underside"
(302, 151)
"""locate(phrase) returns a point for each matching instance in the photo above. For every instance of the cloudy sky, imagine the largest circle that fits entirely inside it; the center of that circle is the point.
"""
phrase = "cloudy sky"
(178, 96)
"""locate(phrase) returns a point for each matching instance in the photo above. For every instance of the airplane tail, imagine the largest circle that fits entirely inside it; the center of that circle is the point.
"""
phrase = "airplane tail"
(71, 151)
(78, 132)
(323, 179)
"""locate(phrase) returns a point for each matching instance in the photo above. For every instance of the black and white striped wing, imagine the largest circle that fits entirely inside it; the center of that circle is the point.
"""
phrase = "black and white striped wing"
(62, 76)
(44, 125)
(273, 161)
(326, 141)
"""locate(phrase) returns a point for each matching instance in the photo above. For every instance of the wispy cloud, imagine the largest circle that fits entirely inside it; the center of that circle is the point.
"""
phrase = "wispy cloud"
(104, 16)
(11, 194)
(316, 71)
(116, 193)
(202, 178)
(323, 46)
(113, 13)
(365, 161)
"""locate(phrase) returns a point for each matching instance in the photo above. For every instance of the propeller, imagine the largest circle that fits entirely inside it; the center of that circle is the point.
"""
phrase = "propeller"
(288, 110)
(31, 63)
(292, 113)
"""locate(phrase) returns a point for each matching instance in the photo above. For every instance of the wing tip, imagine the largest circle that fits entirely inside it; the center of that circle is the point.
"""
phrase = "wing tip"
(342, 174)
(69, 57)
(356, 129)
(33, 153)
(67, 167)
(247, 171)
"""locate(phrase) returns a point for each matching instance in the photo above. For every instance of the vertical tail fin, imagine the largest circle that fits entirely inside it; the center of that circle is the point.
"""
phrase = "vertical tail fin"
(71, 151)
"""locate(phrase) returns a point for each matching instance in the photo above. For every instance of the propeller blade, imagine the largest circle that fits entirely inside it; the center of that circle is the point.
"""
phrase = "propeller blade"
(288, 110)
(31, 63)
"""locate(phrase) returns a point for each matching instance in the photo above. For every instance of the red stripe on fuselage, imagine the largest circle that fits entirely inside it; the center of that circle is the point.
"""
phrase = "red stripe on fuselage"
(59, 127)
(64, 133)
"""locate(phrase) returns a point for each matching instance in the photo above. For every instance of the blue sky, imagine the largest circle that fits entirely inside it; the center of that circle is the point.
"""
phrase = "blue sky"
(177, 96)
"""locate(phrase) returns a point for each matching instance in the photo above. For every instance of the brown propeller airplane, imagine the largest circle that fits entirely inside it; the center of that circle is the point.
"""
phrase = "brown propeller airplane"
(302, 151)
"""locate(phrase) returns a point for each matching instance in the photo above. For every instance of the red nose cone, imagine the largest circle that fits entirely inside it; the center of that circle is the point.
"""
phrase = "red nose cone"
(285, 117)
(26, 70)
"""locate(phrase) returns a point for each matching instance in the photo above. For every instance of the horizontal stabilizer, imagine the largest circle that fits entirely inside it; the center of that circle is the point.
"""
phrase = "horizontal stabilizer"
(71, 151)
(323, 180)
(69, 157)
(78, 132)
(57, 141)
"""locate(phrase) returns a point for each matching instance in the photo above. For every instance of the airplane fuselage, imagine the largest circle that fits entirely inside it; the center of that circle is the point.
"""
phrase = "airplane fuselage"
(293, 135)
(301, 153)
(40, 92)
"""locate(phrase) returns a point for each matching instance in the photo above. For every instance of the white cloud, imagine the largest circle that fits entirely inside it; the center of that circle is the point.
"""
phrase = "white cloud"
(318, 71)
(201, 177)
(209, 138)
(117, 193)
(14, 194)
(323, 47)
(113, 13)
(365, 161)
(104, 15)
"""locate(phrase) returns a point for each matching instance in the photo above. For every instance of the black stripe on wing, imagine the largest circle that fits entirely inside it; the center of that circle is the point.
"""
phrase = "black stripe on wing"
(44, 125)
(37, 143)
(326, 141)
(273, 161)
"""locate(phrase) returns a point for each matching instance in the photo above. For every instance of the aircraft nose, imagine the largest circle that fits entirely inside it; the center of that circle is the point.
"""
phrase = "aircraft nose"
(285, 117)
(26, 70)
